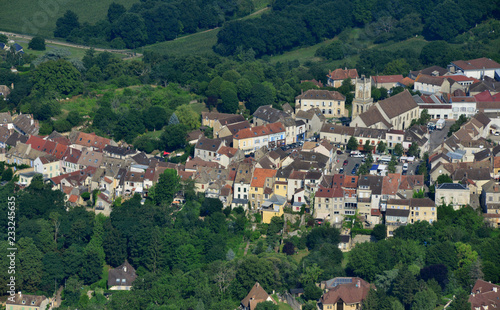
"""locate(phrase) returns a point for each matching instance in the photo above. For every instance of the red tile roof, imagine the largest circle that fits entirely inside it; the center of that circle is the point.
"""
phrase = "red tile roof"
(477, 64)
(349, 293)
(258, 131)
(48, 147)
(36, 142)
(342, 74)
(387, 78)
(73, 198)
(92, 140)
(260, 175)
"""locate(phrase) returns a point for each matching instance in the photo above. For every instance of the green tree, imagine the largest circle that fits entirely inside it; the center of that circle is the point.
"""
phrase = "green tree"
(174, 137)
(414, 150)
(229, 102)
(74, 118)
(398, 149)
(57, 77)
(397, 66)
(132, 29)
(163, 192)
(312, 292)
(379, 231)
(381, 147)
(188, 116)
(424, 300)
(37, 44)
(4, 39)
(405, 286)
(367, 146)
(461, 301)
(352, 144)
(66, 24)
(392, 164)
(29, 268)
(115, 11)
(260, 95)
(371, 301)
(266, 305)
(444, 178)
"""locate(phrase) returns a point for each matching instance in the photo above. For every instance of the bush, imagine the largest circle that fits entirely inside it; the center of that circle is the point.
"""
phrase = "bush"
(37, 44)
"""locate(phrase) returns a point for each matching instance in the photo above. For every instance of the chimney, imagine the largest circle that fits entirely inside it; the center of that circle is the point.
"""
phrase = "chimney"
(495, 289)
(19, 293)
(358, 284)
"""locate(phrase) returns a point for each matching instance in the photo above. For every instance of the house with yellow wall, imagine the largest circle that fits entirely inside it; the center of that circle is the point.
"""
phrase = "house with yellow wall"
(274, 206)
(261, 186)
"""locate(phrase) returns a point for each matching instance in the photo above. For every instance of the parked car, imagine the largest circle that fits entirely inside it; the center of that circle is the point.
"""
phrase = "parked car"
(356, 166)
(341, 170)
(346, 162)
(353, 172)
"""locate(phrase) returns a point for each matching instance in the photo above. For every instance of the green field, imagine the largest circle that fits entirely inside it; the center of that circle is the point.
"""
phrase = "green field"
(200, 43)
(39, 17)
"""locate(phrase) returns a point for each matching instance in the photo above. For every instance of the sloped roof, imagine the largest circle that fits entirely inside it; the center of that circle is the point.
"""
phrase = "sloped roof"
(124, 272)
(269, 114)
(29, 300)
(476, 64)
(260, 131)
(387, 78)
(373, 116)
(485, 294)
(349, 293)
(260, 175)
(398, 104)
(427, 79)
(256, 295)
(316, 94)
(208, 144)
(342, 74)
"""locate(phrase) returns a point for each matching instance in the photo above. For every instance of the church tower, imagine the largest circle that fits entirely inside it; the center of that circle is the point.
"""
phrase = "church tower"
(363, 96)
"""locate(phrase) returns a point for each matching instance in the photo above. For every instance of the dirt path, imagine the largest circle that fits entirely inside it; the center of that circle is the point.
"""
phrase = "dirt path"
(246, 248)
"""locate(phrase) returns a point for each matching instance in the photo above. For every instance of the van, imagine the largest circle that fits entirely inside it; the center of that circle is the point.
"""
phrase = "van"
(405, 166)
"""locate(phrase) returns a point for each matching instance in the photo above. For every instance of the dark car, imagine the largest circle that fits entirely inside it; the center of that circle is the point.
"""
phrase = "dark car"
(339, 152)
(356, 166)
(341, 170)
(353, 171)
(346, 162)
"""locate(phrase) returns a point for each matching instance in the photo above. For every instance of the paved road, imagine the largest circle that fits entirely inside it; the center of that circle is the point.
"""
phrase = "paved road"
(130, 53)
(438, 136)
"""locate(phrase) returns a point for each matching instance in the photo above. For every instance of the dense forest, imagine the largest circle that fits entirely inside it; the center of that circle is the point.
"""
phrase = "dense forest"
(303, 23)
(150, 21)
(290, 24)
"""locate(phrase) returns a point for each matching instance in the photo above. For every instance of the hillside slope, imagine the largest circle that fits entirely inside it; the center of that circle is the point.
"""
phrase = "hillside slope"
(29, 17)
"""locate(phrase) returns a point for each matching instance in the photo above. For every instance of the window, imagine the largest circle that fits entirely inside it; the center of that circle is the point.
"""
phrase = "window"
(277, 187)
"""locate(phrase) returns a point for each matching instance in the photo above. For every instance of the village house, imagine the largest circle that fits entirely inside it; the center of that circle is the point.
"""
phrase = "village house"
(330, 103)
(337, 76)
(456, 194)
(81, 140)
(432, 71)
(345, 294)
(256, 295)
(251, 139)
(24, 301)
(241, 186)
(476, 68)
(272, 206)
(6, 118)
(48, 166)
(206, 149)
(490, 203)
(313, 119)
(226, 121)
(103, 204)
(484, 296)
(267, 115)
(25, 124)
(386, 81)
(122, 277)
(230, 130)
(261, 186)
(119, 152)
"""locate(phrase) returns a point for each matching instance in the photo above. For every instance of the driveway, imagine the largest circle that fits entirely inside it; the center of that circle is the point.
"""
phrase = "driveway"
(438, 136)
